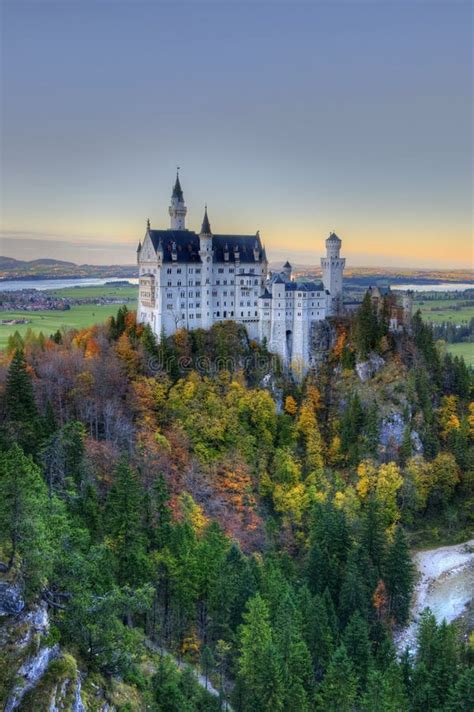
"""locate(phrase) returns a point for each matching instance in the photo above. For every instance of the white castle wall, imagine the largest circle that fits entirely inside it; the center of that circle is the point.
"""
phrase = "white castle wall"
(175, 294)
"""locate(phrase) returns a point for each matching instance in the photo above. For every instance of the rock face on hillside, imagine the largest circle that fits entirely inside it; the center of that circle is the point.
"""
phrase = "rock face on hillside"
(11, 602)
(37, 674)
(322, 339)
(367, 369)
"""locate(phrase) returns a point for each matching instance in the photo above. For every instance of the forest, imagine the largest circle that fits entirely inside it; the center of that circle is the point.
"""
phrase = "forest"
(199, 531)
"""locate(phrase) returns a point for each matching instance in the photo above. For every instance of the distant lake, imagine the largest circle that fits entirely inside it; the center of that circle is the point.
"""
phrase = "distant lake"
(439, 287)
(14, 285)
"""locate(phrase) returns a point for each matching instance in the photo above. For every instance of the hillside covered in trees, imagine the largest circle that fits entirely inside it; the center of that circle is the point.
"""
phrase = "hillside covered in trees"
(184, 505)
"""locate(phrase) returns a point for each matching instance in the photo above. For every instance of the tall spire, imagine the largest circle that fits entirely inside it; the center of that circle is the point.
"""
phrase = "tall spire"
(206, 225)
(177, 190)
(177, 209)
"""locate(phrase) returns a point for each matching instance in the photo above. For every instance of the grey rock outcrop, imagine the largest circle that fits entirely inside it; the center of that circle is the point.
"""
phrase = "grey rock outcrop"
(367, 369)
(391, 430)
(30, 673)
(11, 601)
(321, 340)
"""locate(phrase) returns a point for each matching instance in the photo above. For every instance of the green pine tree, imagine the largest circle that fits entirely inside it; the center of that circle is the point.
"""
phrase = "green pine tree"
(259, 666)
(357, 644)
(399, 577)
(22, 419)
(338, 690)
(124, 525)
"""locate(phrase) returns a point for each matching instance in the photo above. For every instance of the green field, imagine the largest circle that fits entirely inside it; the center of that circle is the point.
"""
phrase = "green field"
(77, 317)
(464, 350)
(465, 313)
(96, 292)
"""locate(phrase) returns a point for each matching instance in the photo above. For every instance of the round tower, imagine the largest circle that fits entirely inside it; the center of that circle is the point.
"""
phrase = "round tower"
(332, 268)
(177, 209)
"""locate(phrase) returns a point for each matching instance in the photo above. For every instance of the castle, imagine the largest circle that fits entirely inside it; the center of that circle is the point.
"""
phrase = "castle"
(190, 280)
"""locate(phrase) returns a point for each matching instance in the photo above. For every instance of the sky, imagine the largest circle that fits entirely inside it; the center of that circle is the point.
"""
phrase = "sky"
(292, 118)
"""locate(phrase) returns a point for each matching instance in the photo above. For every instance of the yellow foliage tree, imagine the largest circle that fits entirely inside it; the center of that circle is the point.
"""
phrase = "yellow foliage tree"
(470, 420)
(448, 416)
(384, 483)
(291, 406)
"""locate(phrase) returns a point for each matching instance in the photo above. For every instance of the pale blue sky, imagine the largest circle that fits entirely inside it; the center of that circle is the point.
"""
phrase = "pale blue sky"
(292, 118)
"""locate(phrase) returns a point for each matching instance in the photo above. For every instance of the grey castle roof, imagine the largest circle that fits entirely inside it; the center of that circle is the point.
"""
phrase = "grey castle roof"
(185, 245)
(286, 265)
(177, 190)
(266, 295)
(304, 287)
(334, 238)
(206, 225)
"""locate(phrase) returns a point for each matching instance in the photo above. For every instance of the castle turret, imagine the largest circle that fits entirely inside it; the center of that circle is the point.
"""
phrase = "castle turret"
(332, 267)
(287, 271)
(407, 306)
(206, 254)
(177, 209)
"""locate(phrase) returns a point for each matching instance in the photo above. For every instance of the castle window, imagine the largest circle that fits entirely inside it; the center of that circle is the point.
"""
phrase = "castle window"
(198, 316)
(190, 282)
(169, 270)
(198, 283)
(198, 270)
(183, 294)
(198, 304)
(179, 284)
(178, 270)
(169, 283)
(221, 270)
(190, 270)
(241, 313)
(231, 270)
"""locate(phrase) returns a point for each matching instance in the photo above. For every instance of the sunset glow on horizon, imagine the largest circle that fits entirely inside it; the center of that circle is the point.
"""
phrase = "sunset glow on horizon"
(292, 119)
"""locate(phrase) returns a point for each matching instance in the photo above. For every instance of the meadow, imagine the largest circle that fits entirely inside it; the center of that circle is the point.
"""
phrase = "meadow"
(96, 292)
(465, 350)
(440, 310)
(77, 317)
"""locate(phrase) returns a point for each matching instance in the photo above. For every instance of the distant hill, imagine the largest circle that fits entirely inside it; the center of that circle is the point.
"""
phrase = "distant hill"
(49, 268)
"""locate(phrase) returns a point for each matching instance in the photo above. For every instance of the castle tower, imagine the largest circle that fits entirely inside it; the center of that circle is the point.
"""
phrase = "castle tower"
(332, 267)
(407, 305)
(287, 271)
(177, 209)
(206, 255)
